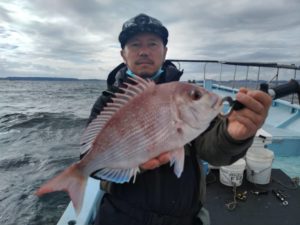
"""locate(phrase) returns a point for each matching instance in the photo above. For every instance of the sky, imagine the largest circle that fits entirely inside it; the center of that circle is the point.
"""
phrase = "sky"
(79, 38)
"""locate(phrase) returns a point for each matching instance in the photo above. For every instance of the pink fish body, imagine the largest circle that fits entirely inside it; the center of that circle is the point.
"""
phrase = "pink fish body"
(140, 124)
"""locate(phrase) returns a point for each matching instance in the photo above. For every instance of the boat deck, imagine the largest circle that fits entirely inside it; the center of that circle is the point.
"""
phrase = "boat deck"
(264, 209)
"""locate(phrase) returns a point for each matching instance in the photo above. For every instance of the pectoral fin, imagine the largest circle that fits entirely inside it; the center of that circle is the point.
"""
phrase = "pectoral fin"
(177, 158)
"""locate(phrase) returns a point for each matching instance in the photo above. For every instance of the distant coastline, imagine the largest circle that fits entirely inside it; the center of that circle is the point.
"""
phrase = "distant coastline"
(47, 79)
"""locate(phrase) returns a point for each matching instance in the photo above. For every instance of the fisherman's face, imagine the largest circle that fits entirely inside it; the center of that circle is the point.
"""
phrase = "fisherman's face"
(144, 54)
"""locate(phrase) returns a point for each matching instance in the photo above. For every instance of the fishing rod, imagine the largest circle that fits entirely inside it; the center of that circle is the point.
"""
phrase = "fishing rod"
(291, 87)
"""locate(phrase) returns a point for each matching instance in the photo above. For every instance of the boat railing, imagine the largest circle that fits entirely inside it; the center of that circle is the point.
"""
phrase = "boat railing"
(230, 76)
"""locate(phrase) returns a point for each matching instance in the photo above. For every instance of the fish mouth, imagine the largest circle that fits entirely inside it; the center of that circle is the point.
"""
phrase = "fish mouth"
(216, 102)
(213, 101)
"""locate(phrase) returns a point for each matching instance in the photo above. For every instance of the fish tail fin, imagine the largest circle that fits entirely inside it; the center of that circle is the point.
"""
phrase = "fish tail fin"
(71, 181)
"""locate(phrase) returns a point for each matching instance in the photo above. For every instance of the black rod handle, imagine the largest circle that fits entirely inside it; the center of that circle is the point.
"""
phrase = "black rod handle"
(238, 106)
(285, 89)
(280, 91)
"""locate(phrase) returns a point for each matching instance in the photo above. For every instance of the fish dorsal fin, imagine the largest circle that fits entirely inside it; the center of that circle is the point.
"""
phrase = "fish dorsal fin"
(111, 108)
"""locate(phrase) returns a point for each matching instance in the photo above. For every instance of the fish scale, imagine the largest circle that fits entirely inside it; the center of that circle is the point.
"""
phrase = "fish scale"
(134, 139)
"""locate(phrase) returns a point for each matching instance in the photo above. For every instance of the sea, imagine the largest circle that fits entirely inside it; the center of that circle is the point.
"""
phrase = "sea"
(41, 123)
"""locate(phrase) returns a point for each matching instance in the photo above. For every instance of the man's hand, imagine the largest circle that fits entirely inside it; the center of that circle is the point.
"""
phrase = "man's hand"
(156, 162)
(244, 123)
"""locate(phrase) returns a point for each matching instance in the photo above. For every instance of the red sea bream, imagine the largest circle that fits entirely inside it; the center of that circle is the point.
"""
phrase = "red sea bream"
(141, 123)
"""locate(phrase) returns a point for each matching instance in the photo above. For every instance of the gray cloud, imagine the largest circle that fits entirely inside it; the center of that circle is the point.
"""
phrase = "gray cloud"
(8, 46)
(79, 38)
(4, 14)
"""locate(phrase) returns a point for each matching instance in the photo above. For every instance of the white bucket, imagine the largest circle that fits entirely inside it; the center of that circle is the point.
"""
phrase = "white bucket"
(259, 165)
(232, 175)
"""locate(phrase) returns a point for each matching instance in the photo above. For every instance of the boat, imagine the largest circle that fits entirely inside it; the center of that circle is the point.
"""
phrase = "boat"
(280, 134)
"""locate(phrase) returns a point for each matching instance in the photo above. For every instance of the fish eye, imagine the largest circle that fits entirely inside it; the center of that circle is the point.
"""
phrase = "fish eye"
(195, 94)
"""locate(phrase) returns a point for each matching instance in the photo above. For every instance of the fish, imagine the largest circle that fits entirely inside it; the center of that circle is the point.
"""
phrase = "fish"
(142, 122)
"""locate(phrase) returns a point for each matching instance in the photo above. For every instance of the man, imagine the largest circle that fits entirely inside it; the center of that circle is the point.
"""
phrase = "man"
(158, 196)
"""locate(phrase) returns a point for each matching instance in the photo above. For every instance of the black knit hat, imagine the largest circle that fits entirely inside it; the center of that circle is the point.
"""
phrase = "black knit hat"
(142, 23)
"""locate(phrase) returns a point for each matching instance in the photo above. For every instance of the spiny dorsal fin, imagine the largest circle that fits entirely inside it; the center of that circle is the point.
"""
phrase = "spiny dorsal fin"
(117, 103)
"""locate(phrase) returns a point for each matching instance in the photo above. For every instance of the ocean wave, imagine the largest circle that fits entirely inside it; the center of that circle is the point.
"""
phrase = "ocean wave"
(39, 130)
(40, 120)
(9, 132)
(17, 162)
